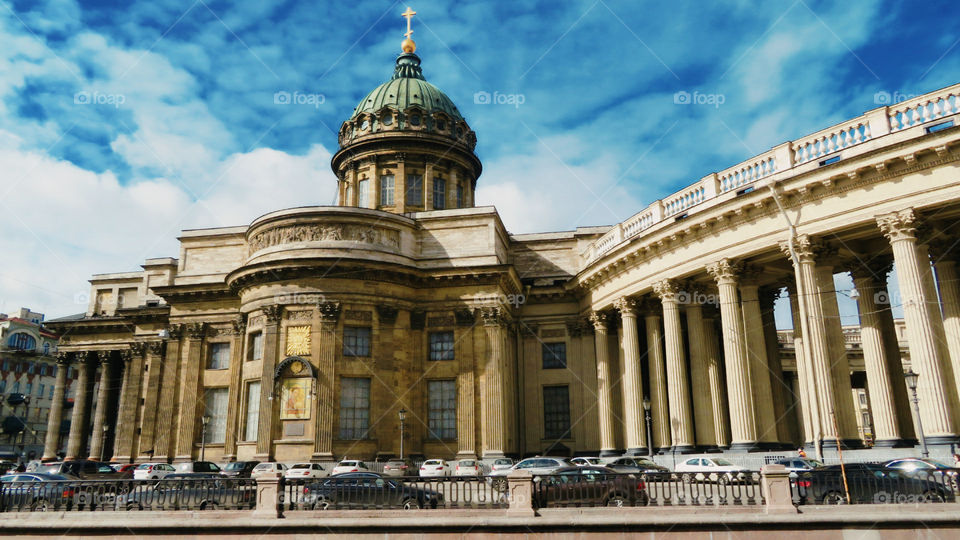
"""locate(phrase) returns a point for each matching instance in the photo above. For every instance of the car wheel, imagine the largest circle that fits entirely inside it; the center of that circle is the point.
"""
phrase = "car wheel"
(834, 497)
(617, 500)
(934, 497)
(321, 504)
(134, 506)
(211, 505)
(411, 504)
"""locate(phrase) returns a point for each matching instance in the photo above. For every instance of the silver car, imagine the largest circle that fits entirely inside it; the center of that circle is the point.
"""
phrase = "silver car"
(536, 465)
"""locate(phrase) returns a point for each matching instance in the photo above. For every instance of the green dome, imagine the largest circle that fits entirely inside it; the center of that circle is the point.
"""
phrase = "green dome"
(407, 88)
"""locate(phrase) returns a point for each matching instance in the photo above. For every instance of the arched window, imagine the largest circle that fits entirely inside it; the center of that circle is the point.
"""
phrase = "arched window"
(21, 341)
(46, 349)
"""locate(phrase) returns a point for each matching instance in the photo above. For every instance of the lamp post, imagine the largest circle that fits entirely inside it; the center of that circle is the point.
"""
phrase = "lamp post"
(646, 416)
(103, 442)
(402, 413)
(203, 437)
(911, 379)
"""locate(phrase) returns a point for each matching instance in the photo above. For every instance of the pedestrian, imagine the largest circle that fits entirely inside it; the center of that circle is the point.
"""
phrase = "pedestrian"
(801, 452)
(956, 461)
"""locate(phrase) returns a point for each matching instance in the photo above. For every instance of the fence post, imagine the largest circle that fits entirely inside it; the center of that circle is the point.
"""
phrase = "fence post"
(775, 485)
(268, 497)
(520, 489)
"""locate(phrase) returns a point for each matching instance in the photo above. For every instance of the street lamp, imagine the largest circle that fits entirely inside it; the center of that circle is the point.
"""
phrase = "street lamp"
(402, 413)
(911, 379)
(103, 442)
(203, 437)
(646, 416)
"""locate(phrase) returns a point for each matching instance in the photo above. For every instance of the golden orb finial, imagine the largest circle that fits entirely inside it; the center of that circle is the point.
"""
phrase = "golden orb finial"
(408, 45)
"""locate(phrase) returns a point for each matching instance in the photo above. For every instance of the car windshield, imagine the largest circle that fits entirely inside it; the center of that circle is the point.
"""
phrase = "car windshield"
(468, 463)
(262, 467)
(938, 464)
(301, 466)
(235, 466)
(722, 462)
(49, 468)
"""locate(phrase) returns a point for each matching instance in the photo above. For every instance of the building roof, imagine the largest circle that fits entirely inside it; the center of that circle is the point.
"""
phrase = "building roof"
(407, 88)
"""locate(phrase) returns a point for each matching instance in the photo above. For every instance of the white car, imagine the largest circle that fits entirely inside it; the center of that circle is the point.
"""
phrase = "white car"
(304, 470)
(152, 471)
(710, 468)
(501, 464)
(349, 465)
(267, 467)
(586, 461)
(468, 467)
(434, 467)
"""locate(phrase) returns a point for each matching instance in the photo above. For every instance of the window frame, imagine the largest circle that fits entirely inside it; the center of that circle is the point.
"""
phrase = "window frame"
(354, 415)
(439, 194)
(553, 413)
(441, 351)
(442, 409)
(549, 358)
(414, 190)
(387, 186)
(212, 350)
(352, 346)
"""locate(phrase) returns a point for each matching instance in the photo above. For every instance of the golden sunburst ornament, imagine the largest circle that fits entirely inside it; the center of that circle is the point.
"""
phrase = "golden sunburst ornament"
(298, 340)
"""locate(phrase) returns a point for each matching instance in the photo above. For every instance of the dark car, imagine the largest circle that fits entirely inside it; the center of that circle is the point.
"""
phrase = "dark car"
(367, 490)
(589, 486)
(239, 469)
(35, 492)
(197, 467)
(190, 491)
(84, 469)
(867, 483)
(628, 464)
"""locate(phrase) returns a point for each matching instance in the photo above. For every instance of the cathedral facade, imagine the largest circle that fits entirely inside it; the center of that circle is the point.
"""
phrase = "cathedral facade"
(309, 333)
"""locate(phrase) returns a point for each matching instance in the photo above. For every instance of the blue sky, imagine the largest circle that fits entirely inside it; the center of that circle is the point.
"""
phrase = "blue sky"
(121, 125)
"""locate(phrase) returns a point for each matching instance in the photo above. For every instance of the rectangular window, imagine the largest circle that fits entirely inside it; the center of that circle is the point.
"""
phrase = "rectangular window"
(386, 190)
(441, 345)
(255, 346)
(216, 409)
(354, 408)
(29, 389)
(356, 341)
(439, 193)
(252, 421)
(556, 412)
(554, 355)
(16, 387)
(41, 391)
(31, 368)
(363, 193)
(442, 413)
(219, 356)
(459, 196)
(415, 189)
(51, 392)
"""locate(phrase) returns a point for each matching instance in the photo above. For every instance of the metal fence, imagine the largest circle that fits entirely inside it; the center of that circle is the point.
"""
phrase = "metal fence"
(647, 489)
(409, 493)
(128, 495)
(874, 485)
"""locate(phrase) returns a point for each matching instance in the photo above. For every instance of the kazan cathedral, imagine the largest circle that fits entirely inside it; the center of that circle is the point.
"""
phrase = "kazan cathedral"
(406, 320)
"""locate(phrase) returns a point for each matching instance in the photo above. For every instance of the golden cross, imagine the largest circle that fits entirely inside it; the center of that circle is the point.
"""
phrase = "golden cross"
(409, 13)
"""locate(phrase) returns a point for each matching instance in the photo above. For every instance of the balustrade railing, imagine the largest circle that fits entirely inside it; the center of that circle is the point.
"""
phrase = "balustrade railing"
(873, 485)
(409, 493)
(822, 146)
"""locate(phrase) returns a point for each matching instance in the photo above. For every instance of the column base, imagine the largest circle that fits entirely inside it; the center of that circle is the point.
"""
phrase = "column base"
(711, 449)
(942, 440)
(320, 457)
(187, 459)
(852, 444)
(492, 454)
(463, 454)
(609, 452)
(642, 451)
(683, 449)
(744, 447)
(769, 446)
(893, 443)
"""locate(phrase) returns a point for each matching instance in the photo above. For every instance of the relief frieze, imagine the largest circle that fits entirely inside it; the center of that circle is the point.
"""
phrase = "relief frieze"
(380, 236)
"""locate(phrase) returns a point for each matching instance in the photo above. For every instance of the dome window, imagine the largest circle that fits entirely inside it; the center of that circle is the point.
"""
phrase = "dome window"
(415, 120)
(441, 125)
(365, 125)
(459, 132)
(388, 119)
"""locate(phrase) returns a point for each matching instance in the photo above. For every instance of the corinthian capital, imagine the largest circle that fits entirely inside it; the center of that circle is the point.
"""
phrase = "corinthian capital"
(329, 311)
(897, 226)
(492, 316)
(667, 290)
(239, 324)
(63, 358)
(600, 320)
(806, 247)
(725, 271)
(273, 313)
(627, 306)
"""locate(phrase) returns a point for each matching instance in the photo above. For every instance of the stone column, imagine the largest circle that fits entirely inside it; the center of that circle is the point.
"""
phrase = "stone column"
(78, 421)
(129, 402)
(166, 423)
(271, 332)
(743, 418)
(949, 286)
(678, 393)
(605, 411)
(756, 350)
(933, 389)
(634, 430)
(326, 382)
(155, 361)
(886, 424)
(466, 421)
(400, 184)
(844, 410)
(236, 388)
(191, 401)
(494, 403)
(718, 394)
(706, 435)
(52, 443)
(100, 414)
(659, 407)
(785, 422)
(808, 404)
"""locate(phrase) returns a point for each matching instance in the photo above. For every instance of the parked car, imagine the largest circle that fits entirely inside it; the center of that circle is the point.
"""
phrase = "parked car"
(798, 465)
(586, 461)
(268, 467)
(239, 469)
(198, 467)
(589, 485)
(868, 483)
(152, 471)
(536, 465)
(919, 466)
(189, 491)
(434, 468)
(367, 489)
(83, 469)
(125, 468)
(304, 470)
(713, 469)
(36, 492)
(501, 464)
(7, 466)
(399, 467)
(349, 466)
(467, 467)
(629, 464)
